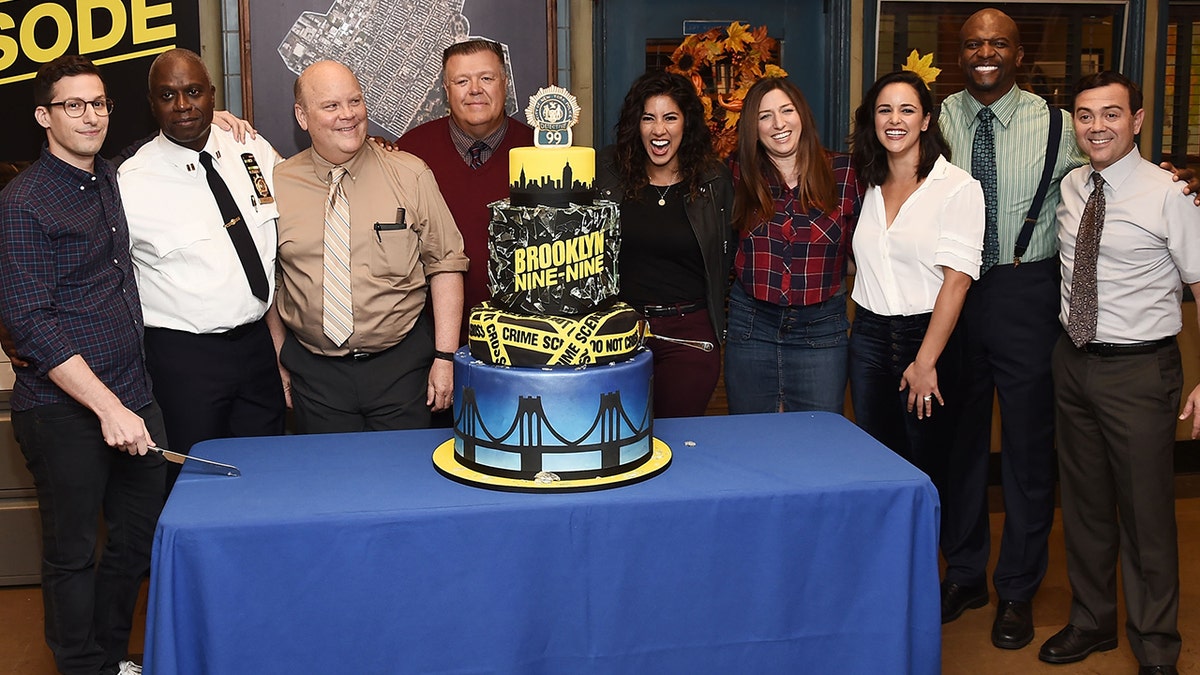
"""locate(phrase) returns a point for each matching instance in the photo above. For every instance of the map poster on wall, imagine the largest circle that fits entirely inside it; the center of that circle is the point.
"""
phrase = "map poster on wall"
(121, 37)
(395, 49)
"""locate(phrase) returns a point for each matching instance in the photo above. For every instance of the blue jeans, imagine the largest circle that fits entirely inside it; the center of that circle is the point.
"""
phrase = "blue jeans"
(785, 358)
(881, 348)
(89, 608)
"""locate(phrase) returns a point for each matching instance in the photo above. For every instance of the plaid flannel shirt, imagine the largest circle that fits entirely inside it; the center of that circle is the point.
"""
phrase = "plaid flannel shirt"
(798, 257)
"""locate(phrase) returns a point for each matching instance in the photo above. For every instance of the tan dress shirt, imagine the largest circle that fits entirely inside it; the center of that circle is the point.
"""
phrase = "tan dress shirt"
(389, 267)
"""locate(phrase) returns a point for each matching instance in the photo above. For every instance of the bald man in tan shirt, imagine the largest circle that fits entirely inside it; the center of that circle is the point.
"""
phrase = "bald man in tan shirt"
(389, 369)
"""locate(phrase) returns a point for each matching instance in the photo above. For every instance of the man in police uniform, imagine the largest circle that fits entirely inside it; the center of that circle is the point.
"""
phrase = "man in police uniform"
(202, 217)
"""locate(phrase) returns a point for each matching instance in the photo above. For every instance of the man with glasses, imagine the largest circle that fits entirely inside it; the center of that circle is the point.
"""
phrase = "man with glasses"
(82, 409)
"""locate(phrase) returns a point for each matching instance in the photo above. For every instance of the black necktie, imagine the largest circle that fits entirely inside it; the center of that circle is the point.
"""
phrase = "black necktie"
(239, 234)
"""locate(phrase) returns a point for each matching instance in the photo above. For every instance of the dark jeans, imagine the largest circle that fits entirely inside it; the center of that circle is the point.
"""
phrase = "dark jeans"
(684, 377)
(785, 358)
(89, 607)
(881, 348)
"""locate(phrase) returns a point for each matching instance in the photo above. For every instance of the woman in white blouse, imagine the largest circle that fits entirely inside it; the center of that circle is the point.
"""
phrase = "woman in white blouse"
(917, 248)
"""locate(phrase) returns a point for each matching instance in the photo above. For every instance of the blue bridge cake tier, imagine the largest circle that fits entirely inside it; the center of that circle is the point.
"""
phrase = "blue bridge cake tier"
(575, 423)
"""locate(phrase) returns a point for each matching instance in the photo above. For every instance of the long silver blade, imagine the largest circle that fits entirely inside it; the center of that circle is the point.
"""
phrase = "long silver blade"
(179, 458)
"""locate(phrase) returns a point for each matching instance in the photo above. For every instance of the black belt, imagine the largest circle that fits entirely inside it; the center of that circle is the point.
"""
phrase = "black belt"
(677, 309)
(364, 356)
(235, 333)
(240, 331)
(1128, 348)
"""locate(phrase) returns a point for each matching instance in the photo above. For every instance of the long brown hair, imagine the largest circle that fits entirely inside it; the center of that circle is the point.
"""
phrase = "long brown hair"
(752, 202)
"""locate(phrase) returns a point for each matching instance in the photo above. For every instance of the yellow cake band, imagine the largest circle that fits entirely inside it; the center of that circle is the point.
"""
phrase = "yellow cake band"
(509, 339)
(542, 166)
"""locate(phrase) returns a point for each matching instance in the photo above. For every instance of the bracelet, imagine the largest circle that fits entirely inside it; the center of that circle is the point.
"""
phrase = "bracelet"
(445, 356)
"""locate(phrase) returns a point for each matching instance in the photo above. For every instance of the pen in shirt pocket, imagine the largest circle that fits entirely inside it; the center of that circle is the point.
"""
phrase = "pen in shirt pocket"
(380, 228)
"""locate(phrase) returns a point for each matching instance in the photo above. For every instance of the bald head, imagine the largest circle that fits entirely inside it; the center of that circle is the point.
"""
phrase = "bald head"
(990, 54)
(330, 107)
(995, 17)
(181, 94)
(173, 56)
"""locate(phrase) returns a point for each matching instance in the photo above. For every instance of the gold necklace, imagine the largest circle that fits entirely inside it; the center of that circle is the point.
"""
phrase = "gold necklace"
(662, 194)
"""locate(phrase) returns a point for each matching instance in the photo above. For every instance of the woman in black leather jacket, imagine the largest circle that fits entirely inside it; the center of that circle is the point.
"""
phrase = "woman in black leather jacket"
(676, 201)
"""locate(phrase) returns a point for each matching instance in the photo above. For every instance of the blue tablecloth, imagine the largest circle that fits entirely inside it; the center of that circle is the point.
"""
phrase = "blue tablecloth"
(786, 543)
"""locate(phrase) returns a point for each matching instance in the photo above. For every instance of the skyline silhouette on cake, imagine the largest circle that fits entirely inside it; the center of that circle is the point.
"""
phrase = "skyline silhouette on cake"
(548, 191)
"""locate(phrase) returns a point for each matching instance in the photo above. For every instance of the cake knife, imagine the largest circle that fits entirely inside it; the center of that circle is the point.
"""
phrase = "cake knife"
(180, 458)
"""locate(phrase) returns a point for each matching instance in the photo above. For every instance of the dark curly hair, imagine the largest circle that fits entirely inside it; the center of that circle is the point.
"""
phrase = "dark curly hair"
(867, 153)
(696, 154)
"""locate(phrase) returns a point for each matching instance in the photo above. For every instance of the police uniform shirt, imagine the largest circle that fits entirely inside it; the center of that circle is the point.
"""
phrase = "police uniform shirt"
(188, 272)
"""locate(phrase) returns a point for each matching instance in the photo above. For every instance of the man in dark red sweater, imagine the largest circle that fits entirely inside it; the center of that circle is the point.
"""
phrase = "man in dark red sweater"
(468, 150)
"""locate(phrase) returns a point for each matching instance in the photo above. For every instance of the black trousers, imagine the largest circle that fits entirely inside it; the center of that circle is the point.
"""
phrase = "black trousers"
(215, 385)
(1009, 326)
(1116, 447)
(881, 348)
(89, 607)
(342, 394)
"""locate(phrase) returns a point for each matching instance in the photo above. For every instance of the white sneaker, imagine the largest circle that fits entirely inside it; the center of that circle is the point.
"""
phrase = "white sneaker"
(129, 668)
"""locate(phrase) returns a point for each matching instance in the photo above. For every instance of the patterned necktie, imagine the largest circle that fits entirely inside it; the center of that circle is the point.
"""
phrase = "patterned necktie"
(239, 233)
(983, 168)
(337, 301)
(1081, 319)
(476, 151)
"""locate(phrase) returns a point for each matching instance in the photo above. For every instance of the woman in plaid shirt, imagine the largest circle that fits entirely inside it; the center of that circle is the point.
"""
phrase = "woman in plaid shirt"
(795, 205)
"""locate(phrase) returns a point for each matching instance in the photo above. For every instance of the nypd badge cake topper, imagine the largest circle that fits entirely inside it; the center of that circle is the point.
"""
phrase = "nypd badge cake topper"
(552, 112)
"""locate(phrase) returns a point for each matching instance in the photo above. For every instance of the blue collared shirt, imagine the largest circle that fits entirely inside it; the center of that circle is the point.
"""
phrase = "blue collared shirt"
(66, 281)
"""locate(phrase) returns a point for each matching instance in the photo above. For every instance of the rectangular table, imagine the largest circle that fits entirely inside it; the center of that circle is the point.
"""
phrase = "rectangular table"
(785, 543)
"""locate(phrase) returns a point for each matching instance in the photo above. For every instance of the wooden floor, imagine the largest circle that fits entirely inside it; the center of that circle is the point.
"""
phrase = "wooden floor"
(966, 647)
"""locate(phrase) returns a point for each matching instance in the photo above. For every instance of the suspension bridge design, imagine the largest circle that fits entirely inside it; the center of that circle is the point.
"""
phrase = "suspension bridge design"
(531, 438)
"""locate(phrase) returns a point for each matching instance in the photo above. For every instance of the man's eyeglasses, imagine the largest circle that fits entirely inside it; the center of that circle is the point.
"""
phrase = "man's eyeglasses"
(75, 107)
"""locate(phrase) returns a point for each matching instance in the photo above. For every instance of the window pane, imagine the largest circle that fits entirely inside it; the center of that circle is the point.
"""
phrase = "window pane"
(1181, 74)
(1062, 42)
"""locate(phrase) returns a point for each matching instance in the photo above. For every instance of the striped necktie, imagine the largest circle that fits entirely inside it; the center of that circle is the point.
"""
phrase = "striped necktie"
(476, 151)
(337, 300)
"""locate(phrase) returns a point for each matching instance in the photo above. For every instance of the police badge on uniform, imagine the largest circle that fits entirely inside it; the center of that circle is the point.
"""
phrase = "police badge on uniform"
(256, 178)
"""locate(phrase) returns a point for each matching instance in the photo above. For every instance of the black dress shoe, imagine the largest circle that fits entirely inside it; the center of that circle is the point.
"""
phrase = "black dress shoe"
(1158, 670)
(1013, 627)
(957, 599)
(1073, 644)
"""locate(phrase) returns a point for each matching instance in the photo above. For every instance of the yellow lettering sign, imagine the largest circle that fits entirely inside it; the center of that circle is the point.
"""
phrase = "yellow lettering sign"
(142, 12)
(107, 31)
(89, 42)
(62, 39)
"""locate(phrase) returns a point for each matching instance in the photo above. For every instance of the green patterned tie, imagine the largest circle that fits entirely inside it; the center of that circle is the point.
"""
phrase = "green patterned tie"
(983, 168)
